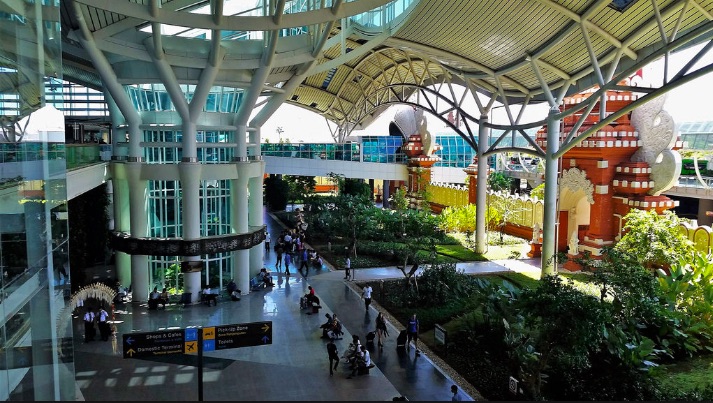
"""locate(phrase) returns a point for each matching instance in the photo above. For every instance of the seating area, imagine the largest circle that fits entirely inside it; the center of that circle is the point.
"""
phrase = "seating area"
(257, 284)
(157, 303)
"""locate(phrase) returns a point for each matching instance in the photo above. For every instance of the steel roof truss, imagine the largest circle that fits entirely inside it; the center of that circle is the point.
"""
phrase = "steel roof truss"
(592, 55)
(543, 84)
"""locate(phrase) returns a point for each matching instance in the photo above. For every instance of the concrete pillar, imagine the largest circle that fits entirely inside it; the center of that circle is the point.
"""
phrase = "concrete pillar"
(549, 224)
(138, 228)
(481, 190)
(239, 214)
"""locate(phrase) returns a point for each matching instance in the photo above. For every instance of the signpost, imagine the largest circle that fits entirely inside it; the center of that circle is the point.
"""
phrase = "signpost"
(440, 334)
(139, 345)
(197, 340)
(238, 335)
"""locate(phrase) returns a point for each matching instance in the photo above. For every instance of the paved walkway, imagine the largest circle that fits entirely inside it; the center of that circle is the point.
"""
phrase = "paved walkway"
(293, 367)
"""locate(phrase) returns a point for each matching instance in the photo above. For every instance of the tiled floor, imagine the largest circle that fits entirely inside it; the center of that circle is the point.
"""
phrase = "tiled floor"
(293, 367)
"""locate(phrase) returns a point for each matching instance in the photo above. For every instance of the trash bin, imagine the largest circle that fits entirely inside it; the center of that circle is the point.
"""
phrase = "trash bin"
(186, 298)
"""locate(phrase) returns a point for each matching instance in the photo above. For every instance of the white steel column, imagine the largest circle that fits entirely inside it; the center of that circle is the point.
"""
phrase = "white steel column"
(549, 220)
(120, 190)
(136, 186)
(139, 228)
(239, 214)
(481, 189)
(255, 201)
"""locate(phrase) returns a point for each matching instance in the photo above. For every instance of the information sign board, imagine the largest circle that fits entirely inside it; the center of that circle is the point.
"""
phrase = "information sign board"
(139, 345)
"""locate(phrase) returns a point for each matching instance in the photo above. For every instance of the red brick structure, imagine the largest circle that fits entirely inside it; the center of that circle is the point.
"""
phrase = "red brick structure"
(610, 173)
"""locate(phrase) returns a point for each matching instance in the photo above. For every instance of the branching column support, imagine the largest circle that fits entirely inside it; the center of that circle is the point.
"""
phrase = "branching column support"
(136, 186)
(481, 189)
(549, 219)
(190, 167)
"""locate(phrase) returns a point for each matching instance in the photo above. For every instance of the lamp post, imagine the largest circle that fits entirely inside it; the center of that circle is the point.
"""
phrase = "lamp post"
(279, 131)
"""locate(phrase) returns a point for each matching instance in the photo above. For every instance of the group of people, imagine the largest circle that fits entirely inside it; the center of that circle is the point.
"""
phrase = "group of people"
(357, 356)
(156, 298)
(292, 252)
(266, 277)
(332, 328)
(101, 319)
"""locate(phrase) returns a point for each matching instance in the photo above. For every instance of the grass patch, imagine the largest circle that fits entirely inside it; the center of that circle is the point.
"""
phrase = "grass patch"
(688, 375)
(521, 280)
(459, 252)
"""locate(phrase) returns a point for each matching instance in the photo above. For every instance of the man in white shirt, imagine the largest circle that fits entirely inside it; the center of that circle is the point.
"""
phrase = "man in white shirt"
(103, 324)
(89, 330)
(366, 293)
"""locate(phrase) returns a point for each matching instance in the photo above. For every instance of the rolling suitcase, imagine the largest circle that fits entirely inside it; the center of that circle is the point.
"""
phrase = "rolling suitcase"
(401, 340)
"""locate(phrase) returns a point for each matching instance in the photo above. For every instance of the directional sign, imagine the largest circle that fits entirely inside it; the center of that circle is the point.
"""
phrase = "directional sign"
(238, 335)
(139, 345)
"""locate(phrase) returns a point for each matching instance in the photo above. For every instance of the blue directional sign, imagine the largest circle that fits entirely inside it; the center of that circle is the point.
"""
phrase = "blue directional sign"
(238, 335)
(139, 345)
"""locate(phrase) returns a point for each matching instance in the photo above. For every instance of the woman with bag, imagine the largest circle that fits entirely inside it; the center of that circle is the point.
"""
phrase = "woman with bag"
(381, 330)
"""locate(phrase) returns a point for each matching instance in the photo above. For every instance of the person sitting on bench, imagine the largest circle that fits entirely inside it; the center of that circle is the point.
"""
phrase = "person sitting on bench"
(155, 299)
(266, 277)
(233, 291)
(208, 297)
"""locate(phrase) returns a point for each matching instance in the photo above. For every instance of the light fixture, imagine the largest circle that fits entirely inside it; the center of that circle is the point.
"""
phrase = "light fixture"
(621, 5)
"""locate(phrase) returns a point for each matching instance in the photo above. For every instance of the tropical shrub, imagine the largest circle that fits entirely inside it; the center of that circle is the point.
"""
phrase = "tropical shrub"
(654, 239)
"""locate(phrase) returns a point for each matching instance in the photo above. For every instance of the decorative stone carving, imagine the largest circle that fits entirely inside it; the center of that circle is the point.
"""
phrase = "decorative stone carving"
(536, 233)
(657, 133)
(574, 244)
(576, 179)
(405, 120)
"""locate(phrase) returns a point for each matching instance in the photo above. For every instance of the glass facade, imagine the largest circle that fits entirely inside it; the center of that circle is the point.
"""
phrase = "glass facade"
(325, 151)
(155, 98)
(164, 206)
(697, 135)
(214, 147)
(35, 313)
(383, 149)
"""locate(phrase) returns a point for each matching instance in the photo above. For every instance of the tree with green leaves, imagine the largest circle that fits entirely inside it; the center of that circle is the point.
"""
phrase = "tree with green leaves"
(499, 182)
(276, 192)
(300, 188)
(504, 208)
(653, 239)
(416, 231)
(538, 191)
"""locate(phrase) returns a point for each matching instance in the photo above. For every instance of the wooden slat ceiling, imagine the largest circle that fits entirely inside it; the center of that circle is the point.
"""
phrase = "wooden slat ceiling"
(477, 39)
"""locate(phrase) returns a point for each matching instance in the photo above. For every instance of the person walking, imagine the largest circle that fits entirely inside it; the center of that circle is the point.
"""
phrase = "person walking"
(381, 331)
(304, 261)
(103, 324)
(412, 334)
(347, 268)
(89, 330)
(278, 260)
(456, 397)
(267, 241)
(366, 293)
(288, 260)
(333, 354)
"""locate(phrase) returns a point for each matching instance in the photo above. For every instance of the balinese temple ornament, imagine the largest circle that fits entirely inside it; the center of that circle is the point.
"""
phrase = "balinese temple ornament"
(624, 165)
(419, 148)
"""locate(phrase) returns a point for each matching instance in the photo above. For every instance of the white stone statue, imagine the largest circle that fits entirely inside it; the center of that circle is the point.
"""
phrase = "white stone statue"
(574, 244)
(536, 233)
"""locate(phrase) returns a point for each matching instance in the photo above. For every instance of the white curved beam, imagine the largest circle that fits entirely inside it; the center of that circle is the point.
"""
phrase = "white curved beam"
(236, 22)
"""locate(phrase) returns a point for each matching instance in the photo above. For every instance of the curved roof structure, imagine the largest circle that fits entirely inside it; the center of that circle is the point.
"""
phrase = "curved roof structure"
(336, 57)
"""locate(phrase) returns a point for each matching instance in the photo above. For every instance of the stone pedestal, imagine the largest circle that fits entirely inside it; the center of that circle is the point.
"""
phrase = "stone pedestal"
(535, 249)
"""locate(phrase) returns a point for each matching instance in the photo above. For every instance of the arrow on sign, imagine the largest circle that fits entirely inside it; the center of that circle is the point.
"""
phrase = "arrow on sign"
(265, 339)
(265, 327)
(130, 352)
(129, 340)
